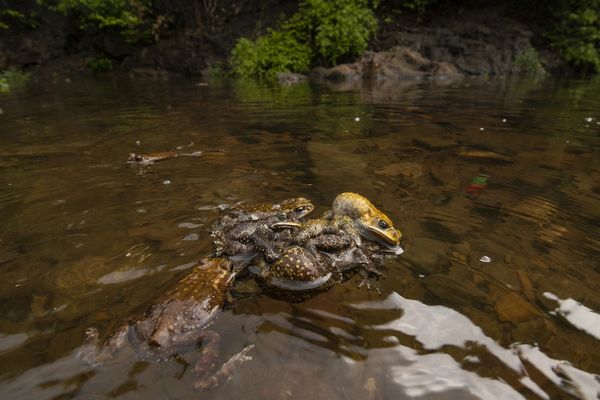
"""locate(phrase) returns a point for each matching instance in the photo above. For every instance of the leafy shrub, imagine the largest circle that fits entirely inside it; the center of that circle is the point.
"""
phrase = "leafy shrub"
(419, 6)
(10, 79)
(126, 16)
(529, 63)
(321, 30)
(99, 64)
(12, 15)
(275, 52)
(577, 34)
(338, 27)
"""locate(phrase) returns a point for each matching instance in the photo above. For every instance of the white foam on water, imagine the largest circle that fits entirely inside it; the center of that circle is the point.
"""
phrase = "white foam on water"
(577, 314)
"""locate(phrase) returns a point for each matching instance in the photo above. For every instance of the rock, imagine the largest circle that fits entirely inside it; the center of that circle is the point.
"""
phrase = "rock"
(396, 64)
(339, 73)
(511, 307)
(402, 63)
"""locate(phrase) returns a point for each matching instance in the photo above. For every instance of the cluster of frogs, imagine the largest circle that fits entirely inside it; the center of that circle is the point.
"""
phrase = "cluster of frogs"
(290, 254)
(281, 248)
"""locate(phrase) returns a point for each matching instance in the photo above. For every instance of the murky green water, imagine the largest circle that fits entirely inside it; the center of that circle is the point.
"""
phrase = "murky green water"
(501, 171)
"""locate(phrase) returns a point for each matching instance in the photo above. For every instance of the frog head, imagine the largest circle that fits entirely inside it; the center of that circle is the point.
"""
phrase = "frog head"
(370, 222)
(296, 208)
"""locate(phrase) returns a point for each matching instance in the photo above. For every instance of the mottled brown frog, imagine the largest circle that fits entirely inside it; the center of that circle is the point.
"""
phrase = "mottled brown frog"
(176, 323)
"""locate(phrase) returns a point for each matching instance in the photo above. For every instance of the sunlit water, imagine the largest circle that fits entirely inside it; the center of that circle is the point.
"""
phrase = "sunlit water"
(496, 186)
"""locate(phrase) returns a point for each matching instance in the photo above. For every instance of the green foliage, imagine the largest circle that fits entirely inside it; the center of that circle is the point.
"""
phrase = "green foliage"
(99, 64)
(125, 16)
(10, 79)
(277, 51)
(419, 6)
(577, 33)
(529, 63)
(321, 30)
(337, 27)
(11, 16)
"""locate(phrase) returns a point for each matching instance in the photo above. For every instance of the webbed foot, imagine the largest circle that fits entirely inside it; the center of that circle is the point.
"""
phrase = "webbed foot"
(225, 372)
(94, 355)
(371, 282)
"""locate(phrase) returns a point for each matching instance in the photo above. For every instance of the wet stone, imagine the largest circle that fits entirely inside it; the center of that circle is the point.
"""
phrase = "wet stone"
(513, 308)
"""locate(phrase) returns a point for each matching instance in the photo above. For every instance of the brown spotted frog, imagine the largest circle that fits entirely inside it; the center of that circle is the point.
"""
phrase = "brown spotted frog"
(351, 235)
(177, 323)
(243, 230)
(151, 158)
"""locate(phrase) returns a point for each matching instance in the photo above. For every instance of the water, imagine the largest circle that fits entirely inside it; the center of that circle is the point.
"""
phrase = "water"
(496, 186)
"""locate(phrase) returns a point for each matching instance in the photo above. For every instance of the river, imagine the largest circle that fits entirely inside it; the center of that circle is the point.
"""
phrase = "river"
(495, 185)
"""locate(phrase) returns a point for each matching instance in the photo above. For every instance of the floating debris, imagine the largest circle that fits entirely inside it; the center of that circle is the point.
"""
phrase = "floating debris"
(485, 259)
(477, 184)
(137, 142)
(481, 129)
(166, 182)
(356, 119)
(589, 119)
(503, 119)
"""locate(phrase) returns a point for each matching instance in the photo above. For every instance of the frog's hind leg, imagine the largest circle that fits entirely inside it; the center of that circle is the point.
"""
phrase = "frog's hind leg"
(224, 373)
(93, 354)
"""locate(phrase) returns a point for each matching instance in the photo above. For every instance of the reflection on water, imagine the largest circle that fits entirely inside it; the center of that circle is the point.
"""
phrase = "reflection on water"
(496, 185)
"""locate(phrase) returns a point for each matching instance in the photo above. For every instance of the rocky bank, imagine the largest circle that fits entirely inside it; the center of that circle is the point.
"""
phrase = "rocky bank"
(482, 42)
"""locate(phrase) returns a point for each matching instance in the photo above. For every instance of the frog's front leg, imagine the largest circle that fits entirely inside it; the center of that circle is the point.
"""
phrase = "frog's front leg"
(268, 242)
(207, 361)
(93, 354)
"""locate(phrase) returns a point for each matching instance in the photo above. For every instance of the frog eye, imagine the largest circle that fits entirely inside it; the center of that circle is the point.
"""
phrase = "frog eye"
(382, 224)
(299, 209)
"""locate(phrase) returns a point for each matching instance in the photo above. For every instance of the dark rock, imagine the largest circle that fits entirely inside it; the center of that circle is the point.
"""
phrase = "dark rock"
(397, 64)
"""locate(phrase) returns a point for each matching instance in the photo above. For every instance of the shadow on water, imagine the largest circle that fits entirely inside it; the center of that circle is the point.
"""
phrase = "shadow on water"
(496, 185)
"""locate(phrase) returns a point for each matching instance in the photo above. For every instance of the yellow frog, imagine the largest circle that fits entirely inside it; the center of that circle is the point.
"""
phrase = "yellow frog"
(350, 235)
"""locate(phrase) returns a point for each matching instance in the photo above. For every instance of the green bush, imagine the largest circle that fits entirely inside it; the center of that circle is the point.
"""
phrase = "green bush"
(529, 63)
(12, 15)
(10, 79)
(128, 17)
(338, 27)
(99, 64)
(321, 31)
(577, 34)
(277, 51)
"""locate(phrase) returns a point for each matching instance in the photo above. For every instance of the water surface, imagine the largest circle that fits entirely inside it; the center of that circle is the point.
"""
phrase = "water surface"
(495, 184)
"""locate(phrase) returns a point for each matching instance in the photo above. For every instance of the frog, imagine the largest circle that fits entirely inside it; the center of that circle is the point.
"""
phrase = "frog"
(175, 324)
(243, 230)
(151, 158)
(352, 234)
